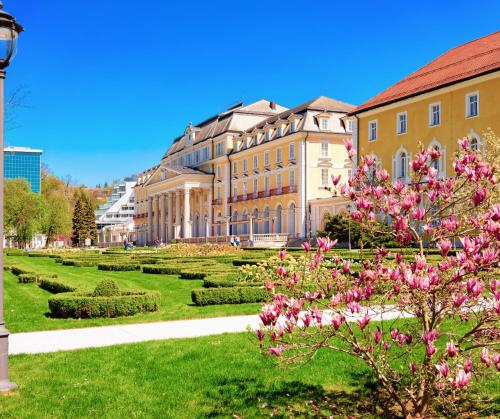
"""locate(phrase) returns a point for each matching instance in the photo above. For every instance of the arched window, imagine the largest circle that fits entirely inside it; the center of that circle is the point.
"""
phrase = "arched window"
(234, 224)
(278, 226)
(403, 165)
(219, 224)
(244, 218)
(266, 220)
(436, 163)
(474, 143)
(291, 218)
(255, 221)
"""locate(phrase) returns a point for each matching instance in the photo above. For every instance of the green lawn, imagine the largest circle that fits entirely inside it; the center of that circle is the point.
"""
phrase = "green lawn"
(217, 376)
(26, 307)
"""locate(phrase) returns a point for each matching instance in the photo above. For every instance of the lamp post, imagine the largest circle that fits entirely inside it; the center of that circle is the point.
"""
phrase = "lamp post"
(9, 32)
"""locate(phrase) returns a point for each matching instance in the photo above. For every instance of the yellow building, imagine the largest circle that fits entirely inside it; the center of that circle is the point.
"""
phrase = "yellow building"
(251, 171)
(455, 95)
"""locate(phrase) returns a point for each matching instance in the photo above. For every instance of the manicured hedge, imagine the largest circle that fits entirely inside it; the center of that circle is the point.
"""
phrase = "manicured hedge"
(37, 255)
(242, 262)
(193, 275)
(118, 267)
(85, 306)
(16, 252)
(55, 287)
(162, 270)
(233, 295)
(27, 278)
(20, 271)
(226, 283)
(80, 263)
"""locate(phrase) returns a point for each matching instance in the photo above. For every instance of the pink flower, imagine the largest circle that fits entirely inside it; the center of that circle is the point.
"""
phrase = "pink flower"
(485, 357)
(364, 321)
(468, 365)
(413, 367)
(276, 351)
(260, 335)
(394, 334)
(479, 196)
(384, 175)
(452, 349)
(377, 336)
(444, 246)
(419, 213)
(430, 349)
(336, 180)
(348, 144)
(326, 244)
(281, 271)
(337, 321)
(430, 336)
(459, 299)
(306, 246)
(282, 254)
(461, 379)
(443, 369)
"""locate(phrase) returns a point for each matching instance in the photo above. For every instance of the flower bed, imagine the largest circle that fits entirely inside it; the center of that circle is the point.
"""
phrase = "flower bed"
(86, 305)
(232, 295)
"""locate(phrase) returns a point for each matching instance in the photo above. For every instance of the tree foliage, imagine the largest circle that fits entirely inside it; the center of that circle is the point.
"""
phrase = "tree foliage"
(84, 226)
(391, 308)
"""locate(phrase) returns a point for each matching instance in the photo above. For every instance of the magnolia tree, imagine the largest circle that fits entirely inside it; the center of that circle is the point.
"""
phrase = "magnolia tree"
(424, 318)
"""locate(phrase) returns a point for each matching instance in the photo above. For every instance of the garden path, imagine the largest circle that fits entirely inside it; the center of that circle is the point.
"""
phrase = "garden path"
(71, 339)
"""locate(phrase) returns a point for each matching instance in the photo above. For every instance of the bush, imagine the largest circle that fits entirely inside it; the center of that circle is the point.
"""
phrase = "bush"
(86, 306)
(193, 275)
(15, 252)
(118, 267)
(27, 278)
(55, 287)
(162, 270)
(225, 283)
(80, 263)
(20, 271)
(240, 262)
(106, 288)
(233, 295)
(37, 255)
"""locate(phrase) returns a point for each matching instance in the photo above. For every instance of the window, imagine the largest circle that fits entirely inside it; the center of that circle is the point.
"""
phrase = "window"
(218, 149)
(436, 163)
(235, 168)
(266, 159)
(292, 126)
(401, 124)
(349, 125)
(255, 162)
(278, 155)
(279, 131)
(474, 144)
(472, 105)
(292, 178)
(255, 186)
(245, 165)
(245, 188)
(324, 177)
(219, 192)
(434, 114)
(278, 181)
(324, 124)
(266, 184)
(403, 165)
(291, 151)
(256, 139)
(218, 172)
(235, 192)
(372, 130)
(197, 156)
(324, 149)
(245, 142)
(267, 135)
(206, 155)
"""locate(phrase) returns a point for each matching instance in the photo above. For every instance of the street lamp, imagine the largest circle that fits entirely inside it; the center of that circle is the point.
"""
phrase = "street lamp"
(9, 32)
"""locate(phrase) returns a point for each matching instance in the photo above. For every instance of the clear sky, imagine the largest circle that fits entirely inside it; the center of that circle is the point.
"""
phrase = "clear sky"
(112, 82)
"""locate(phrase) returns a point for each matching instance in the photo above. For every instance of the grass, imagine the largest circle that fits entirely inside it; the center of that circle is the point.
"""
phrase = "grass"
(217, 376)
(26, 307)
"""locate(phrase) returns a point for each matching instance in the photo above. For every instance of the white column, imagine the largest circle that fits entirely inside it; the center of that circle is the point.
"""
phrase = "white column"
(201, 222)
(177, 214)
(156, 224)
(149, 235)
(302, 205)
(227, 225)
(187, 213)
(250, 229)
(210, 212)
(162, 218)
(170, 216)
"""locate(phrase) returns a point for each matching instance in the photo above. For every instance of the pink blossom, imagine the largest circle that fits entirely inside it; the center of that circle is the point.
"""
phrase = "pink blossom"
(377, 336)
(452, 349)
(394, 334)
(468, 365)
(281, 271)
(419, 213)
(443, 369)
(485, 357)
(384, 175)
(461, 379)
(306, 246)
(430, 349)
(336, 180)
(276, 351)
(364, 321)
(356, 215)
(260, 335)
(444, 246)
(282, 254)
(348, 144)
(413, 367)
(326, 244)
(479, 196)
(337, 321)
(354, 307)
(430, 336)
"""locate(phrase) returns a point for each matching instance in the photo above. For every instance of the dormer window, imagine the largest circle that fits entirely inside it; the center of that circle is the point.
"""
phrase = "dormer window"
(267, 135)
(292, 126)
(324, 124)
(279, 132)
(245, 142)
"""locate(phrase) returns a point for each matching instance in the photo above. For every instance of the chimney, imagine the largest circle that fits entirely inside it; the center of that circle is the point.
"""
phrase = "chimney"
(273, 105)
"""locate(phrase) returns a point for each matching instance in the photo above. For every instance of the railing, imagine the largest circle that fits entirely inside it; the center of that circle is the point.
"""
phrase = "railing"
(270, 237)
(276, 191)
(217, 201)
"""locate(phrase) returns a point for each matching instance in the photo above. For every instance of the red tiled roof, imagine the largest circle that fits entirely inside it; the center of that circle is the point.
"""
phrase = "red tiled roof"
(472, 59)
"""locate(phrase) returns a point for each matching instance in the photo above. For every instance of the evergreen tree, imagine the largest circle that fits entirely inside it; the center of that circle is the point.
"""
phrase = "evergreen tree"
(84, 226)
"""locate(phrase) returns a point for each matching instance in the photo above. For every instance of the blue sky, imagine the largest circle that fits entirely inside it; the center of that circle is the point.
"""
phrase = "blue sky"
(113, 82)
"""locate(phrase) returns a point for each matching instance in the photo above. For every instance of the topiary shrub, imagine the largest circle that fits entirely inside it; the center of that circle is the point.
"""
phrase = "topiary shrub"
(118, 267)
(55, 287)
(233, 295)
(86, 306)
(106, 288)
(226, 283)
(16, 252)
(20, 271)
(27, 278)
(162, 270)
(37, 255)
(241, 262)
(193, 275)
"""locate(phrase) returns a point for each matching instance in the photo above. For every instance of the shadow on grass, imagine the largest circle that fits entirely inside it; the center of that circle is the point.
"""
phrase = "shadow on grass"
(249, 398)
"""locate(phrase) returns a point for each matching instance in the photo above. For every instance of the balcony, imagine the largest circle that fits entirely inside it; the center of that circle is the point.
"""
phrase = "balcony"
(276, 191)
(217, 201)
(289, 189)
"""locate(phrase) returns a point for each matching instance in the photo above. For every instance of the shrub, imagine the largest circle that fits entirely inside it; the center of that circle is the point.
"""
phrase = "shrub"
(118, 267)
(55, 287)
(106, 288)
(193, 275)
(162, 270)
(233, 295)
(27, 278)
(86, 306)
(20, 271)
(245, 262)
(226, 283)
(15, 252)
(37, 255)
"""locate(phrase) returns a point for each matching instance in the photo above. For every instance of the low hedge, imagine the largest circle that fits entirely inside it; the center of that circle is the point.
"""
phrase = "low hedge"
(80, 263)
(192, 275)
(16, 252)
(118, 267)
(27, 278)
(162, 270)
(241, 262)
(86, 306)
(55, 287)
(37, 255)
(226, 283)
(233, 295)
(16, 270)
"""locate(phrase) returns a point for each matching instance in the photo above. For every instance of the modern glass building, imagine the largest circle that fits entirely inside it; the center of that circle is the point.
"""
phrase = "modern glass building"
(23, 162)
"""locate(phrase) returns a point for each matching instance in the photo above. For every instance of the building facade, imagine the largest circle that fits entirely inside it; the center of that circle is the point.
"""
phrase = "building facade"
(251, 171)
(25, 163)
(115, 218)
(455, 95)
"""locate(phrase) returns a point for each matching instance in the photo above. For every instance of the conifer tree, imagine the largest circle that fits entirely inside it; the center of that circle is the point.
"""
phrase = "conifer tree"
(84, 226)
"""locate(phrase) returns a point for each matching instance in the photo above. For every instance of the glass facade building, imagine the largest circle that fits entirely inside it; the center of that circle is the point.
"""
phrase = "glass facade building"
(23, 162)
